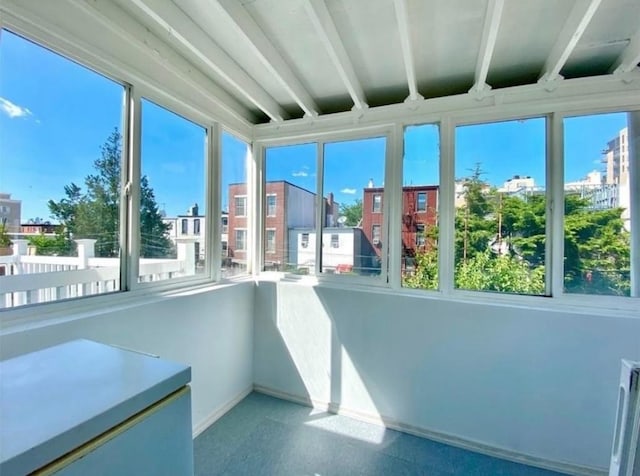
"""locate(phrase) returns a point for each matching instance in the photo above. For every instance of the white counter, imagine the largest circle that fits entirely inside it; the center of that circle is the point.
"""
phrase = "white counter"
(57, 399)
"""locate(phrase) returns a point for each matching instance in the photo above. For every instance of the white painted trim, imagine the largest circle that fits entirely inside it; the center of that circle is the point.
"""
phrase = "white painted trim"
(180, 27)
(446, 208)
(330, 38)
(633, 148)
(219, 412)
(579, 18)
(554, 242)
(133, 186)
(213, 199)
(266, 52)
(570, 95)
(402, 19)
(452, 440)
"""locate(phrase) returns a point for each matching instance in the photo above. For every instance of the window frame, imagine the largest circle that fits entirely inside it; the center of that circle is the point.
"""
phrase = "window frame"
(376, 199)
(244, 206)
(418, 208)
(267, 249)
(235, 239)
(261, 146)
(268, 206)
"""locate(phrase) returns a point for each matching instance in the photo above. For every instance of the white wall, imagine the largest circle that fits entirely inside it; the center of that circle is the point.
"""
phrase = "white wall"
(211, 331)
(535, 382)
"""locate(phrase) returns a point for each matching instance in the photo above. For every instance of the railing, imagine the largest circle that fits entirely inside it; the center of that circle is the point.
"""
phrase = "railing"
(29, 279)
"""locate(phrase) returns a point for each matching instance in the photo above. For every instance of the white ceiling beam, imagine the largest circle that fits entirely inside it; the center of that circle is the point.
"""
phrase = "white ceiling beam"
(326, 29)
(267, 53)
(179, 27)
(630, 57)
(487, 45)
(402, 18)
(579, 18)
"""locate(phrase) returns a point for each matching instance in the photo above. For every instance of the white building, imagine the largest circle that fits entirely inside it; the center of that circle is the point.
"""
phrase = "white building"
(10, 212)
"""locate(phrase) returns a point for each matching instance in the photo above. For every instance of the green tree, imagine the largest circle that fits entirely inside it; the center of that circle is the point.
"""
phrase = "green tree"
(94, 213)
(500, 245)
(352, 213)
(50, 245)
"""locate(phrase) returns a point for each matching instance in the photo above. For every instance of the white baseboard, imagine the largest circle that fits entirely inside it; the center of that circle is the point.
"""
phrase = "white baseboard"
(561, 467)
(219, 412)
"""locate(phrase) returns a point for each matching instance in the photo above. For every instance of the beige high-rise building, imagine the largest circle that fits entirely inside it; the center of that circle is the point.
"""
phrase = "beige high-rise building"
(616, 156)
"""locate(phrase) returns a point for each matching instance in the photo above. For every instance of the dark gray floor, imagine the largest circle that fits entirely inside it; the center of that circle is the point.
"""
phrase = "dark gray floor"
(263, 435)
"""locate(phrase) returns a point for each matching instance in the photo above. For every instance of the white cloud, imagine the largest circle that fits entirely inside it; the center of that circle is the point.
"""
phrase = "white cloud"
(348, 191)
(302, 173)
(13, 110)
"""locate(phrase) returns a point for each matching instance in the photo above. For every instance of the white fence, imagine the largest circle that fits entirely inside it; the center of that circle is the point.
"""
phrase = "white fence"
(28, 279)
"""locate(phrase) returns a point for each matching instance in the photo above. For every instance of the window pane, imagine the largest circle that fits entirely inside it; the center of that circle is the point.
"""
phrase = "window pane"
(500, 207)
(420, 190)
(353, 179)
(291, 180)
(598, 204)
(173, 152)
(235, 211)
(60, 162)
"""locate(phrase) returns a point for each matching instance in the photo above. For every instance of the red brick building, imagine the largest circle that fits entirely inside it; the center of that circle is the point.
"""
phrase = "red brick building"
(419, 213)
(286, 206)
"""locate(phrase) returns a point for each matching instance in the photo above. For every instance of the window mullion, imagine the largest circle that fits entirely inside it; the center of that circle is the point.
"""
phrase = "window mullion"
(392, 209)
(319, 205)
(633, 147)
(255, 220)
(446, 207)
(133, 186)
(213, 188)
(554, 243)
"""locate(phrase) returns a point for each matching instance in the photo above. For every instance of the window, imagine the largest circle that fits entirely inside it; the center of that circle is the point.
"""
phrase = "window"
(304, 240)
(500, 221)
(375, 235)
(173, 173)
(235, 157)
(419, 220)
(335, 241)
(271, 241)
(290, 176)
(421, 239)
(196, 226)
(241, 240)
(79, 190)
(377, 203)
(598, 205)
(271, 205)
(352, 203)
(421, 202)
(240, 206)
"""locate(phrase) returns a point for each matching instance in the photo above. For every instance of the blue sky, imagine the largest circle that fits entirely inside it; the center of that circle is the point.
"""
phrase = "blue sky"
(55, 115)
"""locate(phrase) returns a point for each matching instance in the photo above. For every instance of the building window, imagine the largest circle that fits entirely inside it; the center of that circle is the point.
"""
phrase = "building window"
(421, 202)
(225, 224)
(375, 235)
(500, 221)
(290, 177)
(196, 226)
(420, 235)
(335, 240)
(598, 208)
(377, 203)
(271, 205)
(271, 241)
(304, 240)
(241, 240)
(241, 206)
(172, 186)
(88, 209)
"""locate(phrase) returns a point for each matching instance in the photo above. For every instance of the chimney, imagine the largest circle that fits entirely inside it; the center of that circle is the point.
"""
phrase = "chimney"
(370, 184)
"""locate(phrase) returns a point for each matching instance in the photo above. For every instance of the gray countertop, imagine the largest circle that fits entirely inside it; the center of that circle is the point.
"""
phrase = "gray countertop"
(56, 399)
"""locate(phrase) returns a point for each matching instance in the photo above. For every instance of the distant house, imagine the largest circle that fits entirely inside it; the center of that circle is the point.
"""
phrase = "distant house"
(10, 212)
